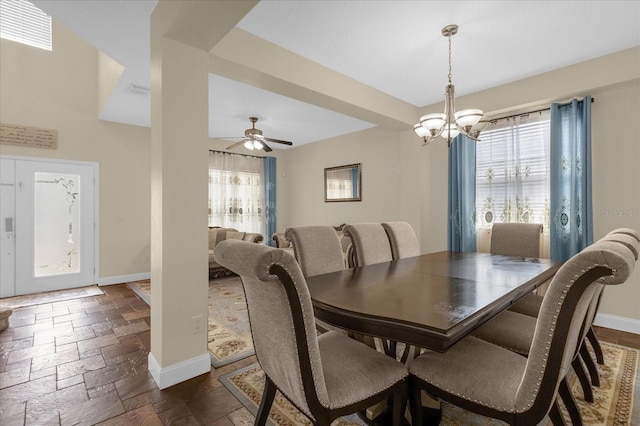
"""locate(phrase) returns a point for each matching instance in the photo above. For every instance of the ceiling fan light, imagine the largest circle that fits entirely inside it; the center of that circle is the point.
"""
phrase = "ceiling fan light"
(257, 145)
(249, 145)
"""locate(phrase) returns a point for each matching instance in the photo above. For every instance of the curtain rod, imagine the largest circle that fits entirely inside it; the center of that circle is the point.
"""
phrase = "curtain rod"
(526, 113)
(235, 153)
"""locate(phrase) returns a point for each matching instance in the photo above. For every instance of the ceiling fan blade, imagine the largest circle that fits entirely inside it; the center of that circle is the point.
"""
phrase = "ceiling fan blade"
(265, 147)
(279, 141)
(235, 144)
(230, 137)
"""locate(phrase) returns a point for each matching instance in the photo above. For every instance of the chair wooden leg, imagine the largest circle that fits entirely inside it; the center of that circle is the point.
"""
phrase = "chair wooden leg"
(591, 366)
(415, 404)
(584, 380)
(399, 407)
(555, 415)
(267, 400)
(595, 344)
(570, 403)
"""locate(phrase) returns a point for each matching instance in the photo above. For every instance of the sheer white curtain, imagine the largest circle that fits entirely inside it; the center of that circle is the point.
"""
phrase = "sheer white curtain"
(236, 192)
(512, 176)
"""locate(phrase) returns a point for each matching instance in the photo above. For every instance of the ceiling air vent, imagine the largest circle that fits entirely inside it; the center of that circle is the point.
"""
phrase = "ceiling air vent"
(134, 89)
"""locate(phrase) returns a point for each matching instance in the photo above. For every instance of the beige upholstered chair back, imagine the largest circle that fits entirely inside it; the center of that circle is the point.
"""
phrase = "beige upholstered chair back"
(626, 239)
(369, 242)
(634, 246)
(402, 238)
(516, 239)
(272, 316)
(627, 231)
(562, 316)
(317, 249)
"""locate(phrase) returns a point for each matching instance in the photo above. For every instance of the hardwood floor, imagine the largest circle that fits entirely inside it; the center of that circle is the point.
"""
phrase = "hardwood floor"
(84, 361)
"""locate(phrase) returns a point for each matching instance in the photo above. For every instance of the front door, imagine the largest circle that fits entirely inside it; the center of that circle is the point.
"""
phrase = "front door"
(53, 226)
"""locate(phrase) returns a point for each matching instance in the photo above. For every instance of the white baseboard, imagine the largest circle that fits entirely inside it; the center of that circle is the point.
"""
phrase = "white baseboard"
(177, 373)
(618, 323)
(120, 279)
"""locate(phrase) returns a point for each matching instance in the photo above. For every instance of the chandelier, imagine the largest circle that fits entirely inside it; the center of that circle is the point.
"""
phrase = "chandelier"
(450, 123)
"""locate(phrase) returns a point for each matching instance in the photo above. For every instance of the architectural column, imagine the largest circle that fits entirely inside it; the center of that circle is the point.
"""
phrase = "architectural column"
(179, 176)
(182, 33)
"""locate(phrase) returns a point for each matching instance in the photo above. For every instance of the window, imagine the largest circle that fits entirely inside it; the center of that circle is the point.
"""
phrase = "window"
(237, 192)
(512, 172)
(22, 22)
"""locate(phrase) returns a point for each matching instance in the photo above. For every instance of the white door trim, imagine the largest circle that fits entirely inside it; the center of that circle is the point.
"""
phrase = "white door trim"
(96, 174)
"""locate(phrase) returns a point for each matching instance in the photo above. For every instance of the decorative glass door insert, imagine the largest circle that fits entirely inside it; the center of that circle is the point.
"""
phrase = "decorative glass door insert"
(57, 224)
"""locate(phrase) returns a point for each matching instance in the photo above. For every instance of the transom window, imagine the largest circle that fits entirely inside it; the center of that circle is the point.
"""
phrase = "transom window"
(22, 22)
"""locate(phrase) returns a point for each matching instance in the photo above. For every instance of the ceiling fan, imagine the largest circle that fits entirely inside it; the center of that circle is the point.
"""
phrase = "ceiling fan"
(253, 138)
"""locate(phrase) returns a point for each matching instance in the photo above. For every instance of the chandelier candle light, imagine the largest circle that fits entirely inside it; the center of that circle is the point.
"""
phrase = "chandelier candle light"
(451, 123)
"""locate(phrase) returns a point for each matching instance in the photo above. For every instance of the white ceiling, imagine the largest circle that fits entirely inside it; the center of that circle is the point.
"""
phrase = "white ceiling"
(394, 46)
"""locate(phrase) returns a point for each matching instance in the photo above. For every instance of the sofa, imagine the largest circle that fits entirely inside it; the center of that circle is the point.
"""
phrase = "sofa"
(218, 234)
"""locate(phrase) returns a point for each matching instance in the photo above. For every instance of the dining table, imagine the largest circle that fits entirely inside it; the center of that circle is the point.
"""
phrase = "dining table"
(430, 301)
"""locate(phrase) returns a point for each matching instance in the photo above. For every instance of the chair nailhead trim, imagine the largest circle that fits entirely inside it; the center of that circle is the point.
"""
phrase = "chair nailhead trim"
(313, 370)
(554, 321)
(545, 358)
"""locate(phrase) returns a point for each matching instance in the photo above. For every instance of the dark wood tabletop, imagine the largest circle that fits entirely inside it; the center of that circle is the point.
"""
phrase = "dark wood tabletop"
(432, 300)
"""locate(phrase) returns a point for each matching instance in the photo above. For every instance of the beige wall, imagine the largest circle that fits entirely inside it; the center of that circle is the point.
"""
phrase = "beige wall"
(377, 150)
(401, 179)
(616, 183)
(614, 81)
(59, 90)
(417, 191)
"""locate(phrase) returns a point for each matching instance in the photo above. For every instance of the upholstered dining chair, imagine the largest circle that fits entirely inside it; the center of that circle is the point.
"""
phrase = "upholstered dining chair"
(530, 304)
(493, 381)
(516, 239)
(369, 245)
(402, 239)
(514, 331)
(369, 242)
(324, 376)
(317, 249)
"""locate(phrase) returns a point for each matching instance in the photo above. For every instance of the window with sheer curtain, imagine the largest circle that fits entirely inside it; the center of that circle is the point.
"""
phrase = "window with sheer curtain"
(340, 184)
(512, 175)
(236, 192)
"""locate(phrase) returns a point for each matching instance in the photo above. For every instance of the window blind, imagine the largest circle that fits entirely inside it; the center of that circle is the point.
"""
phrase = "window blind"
(512, 172)
(22, 22)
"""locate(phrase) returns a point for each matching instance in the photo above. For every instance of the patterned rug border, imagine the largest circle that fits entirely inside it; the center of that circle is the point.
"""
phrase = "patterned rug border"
(630, 365)
(227, 339)
(635, 415)
(252, 407)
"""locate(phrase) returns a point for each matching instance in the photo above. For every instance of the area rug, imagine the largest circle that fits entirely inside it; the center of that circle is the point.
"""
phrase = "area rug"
(229, 333)
(49, 297)
(615, 400)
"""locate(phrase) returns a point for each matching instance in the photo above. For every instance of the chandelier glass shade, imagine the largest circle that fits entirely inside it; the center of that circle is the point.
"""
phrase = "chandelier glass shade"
(450, 123)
